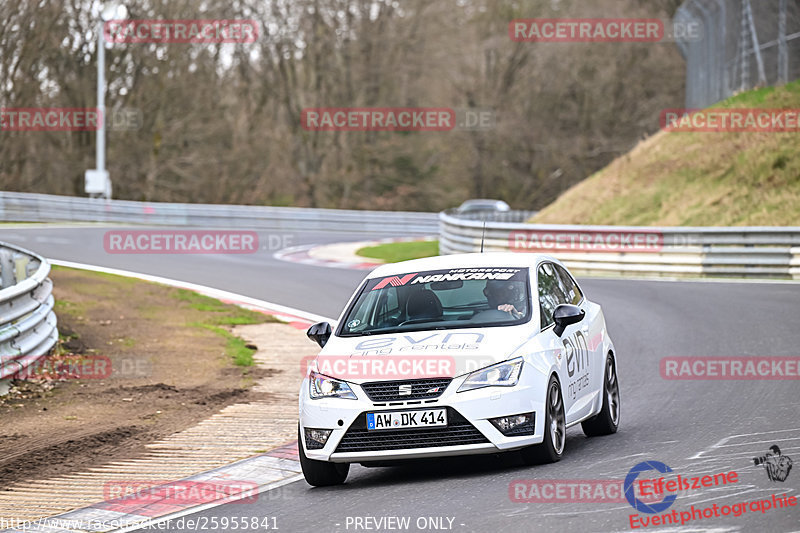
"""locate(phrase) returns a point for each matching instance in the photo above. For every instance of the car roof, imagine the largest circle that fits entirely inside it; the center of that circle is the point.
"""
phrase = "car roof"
(484, 203)
(475, 260)
(475, 201)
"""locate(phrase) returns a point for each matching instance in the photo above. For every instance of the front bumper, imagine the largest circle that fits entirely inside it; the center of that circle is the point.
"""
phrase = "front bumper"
(469, 430)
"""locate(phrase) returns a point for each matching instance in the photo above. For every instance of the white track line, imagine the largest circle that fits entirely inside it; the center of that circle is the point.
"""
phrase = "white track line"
(174, 516)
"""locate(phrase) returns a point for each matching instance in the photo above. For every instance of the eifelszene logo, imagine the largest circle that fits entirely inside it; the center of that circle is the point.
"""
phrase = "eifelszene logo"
(638, 504)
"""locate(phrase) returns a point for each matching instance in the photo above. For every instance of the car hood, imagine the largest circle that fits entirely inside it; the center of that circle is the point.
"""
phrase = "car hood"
(419, 354)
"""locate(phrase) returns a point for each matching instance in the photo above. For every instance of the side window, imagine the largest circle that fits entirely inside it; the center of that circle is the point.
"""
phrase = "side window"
(551, 294)
(569, 287)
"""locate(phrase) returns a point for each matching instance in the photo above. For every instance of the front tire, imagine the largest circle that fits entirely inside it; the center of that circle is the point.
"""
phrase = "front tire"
(321, 473)
(606, 421)
(555, 429)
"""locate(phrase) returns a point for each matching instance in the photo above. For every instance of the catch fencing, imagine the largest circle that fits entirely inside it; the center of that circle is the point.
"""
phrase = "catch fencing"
(742, 45)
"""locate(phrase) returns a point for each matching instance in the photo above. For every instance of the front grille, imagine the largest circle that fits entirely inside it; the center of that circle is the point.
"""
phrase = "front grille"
(458, 432)
(421, 389)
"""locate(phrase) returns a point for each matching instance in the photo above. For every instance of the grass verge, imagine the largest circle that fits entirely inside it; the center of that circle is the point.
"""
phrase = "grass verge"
(395, 252)
(217, 314)
(135, 362)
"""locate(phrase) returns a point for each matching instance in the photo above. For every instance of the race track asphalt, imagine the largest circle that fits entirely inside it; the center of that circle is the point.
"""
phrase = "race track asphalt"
(695, 427)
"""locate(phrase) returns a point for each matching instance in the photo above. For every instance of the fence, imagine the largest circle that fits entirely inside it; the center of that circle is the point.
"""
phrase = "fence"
(27, 321)
(742, 45)
(27, 207)
(755, 252)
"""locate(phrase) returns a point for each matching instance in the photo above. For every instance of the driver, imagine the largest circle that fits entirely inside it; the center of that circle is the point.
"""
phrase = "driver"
(506, 296)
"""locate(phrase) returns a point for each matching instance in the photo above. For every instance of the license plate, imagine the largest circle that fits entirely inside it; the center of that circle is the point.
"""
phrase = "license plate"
(407, 419)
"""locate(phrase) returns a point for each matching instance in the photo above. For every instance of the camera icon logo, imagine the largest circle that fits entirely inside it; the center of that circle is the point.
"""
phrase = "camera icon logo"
(777, 465)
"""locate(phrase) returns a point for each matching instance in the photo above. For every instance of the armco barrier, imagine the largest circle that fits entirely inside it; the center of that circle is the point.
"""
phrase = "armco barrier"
(27, 321)
(746, 252)
(28, 207)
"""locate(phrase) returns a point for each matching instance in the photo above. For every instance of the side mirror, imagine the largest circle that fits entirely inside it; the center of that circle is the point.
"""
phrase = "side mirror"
(565, 315)
(319, 333)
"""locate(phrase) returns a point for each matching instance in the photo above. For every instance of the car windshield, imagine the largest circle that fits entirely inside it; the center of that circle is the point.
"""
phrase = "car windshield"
(439, 299)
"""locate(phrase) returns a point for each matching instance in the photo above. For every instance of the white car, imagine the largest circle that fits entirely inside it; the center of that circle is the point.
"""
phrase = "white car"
(455, 355)
(483, 206)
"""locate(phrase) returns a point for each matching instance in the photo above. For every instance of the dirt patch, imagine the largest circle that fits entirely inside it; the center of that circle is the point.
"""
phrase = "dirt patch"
(165, 368)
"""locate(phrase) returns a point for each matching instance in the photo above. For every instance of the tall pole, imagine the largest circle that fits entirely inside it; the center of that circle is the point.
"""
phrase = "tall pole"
(101, 98)
(96, 180)
(745, 60)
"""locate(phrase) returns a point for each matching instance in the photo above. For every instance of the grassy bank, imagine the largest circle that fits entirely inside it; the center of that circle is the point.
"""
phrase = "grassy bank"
(696, 179)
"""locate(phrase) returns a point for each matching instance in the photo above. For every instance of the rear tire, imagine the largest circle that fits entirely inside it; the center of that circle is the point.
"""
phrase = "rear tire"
(606, 421)
(321, 473)
(555, 430)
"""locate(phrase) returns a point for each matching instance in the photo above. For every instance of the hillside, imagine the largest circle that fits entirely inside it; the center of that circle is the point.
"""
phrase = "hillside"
(696, 179)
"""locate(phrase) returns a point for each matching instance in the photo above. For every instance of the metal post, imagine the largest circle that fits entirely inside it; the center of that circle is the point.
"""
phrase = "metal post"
(726, 88)
(783, 51)
(743, 49)
(101, 97)
(97, 182)
(762, 77)
(711, 79)
(700, 58)
(695, 74)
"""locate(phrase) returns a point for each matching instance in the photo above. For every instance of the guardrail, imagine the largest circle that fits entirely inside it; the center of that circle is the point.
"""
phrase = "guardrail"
(749, 252)
(29, 207)
(27, 321)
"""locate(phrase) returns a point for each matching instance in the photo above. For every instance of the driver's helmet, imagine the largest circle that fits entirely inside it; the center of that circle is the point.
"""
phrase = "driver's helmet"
(499, 292)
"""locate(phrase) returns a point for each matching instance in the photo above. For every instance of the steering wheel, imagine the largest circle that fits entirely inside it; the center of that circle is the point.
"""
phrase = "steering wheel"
(419, 321)
(492, 315)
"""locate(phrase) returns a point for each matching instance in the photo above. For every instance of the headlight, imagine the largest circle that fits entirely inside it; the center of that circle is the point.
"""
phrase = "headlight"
(320, 386)
(504, 374)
